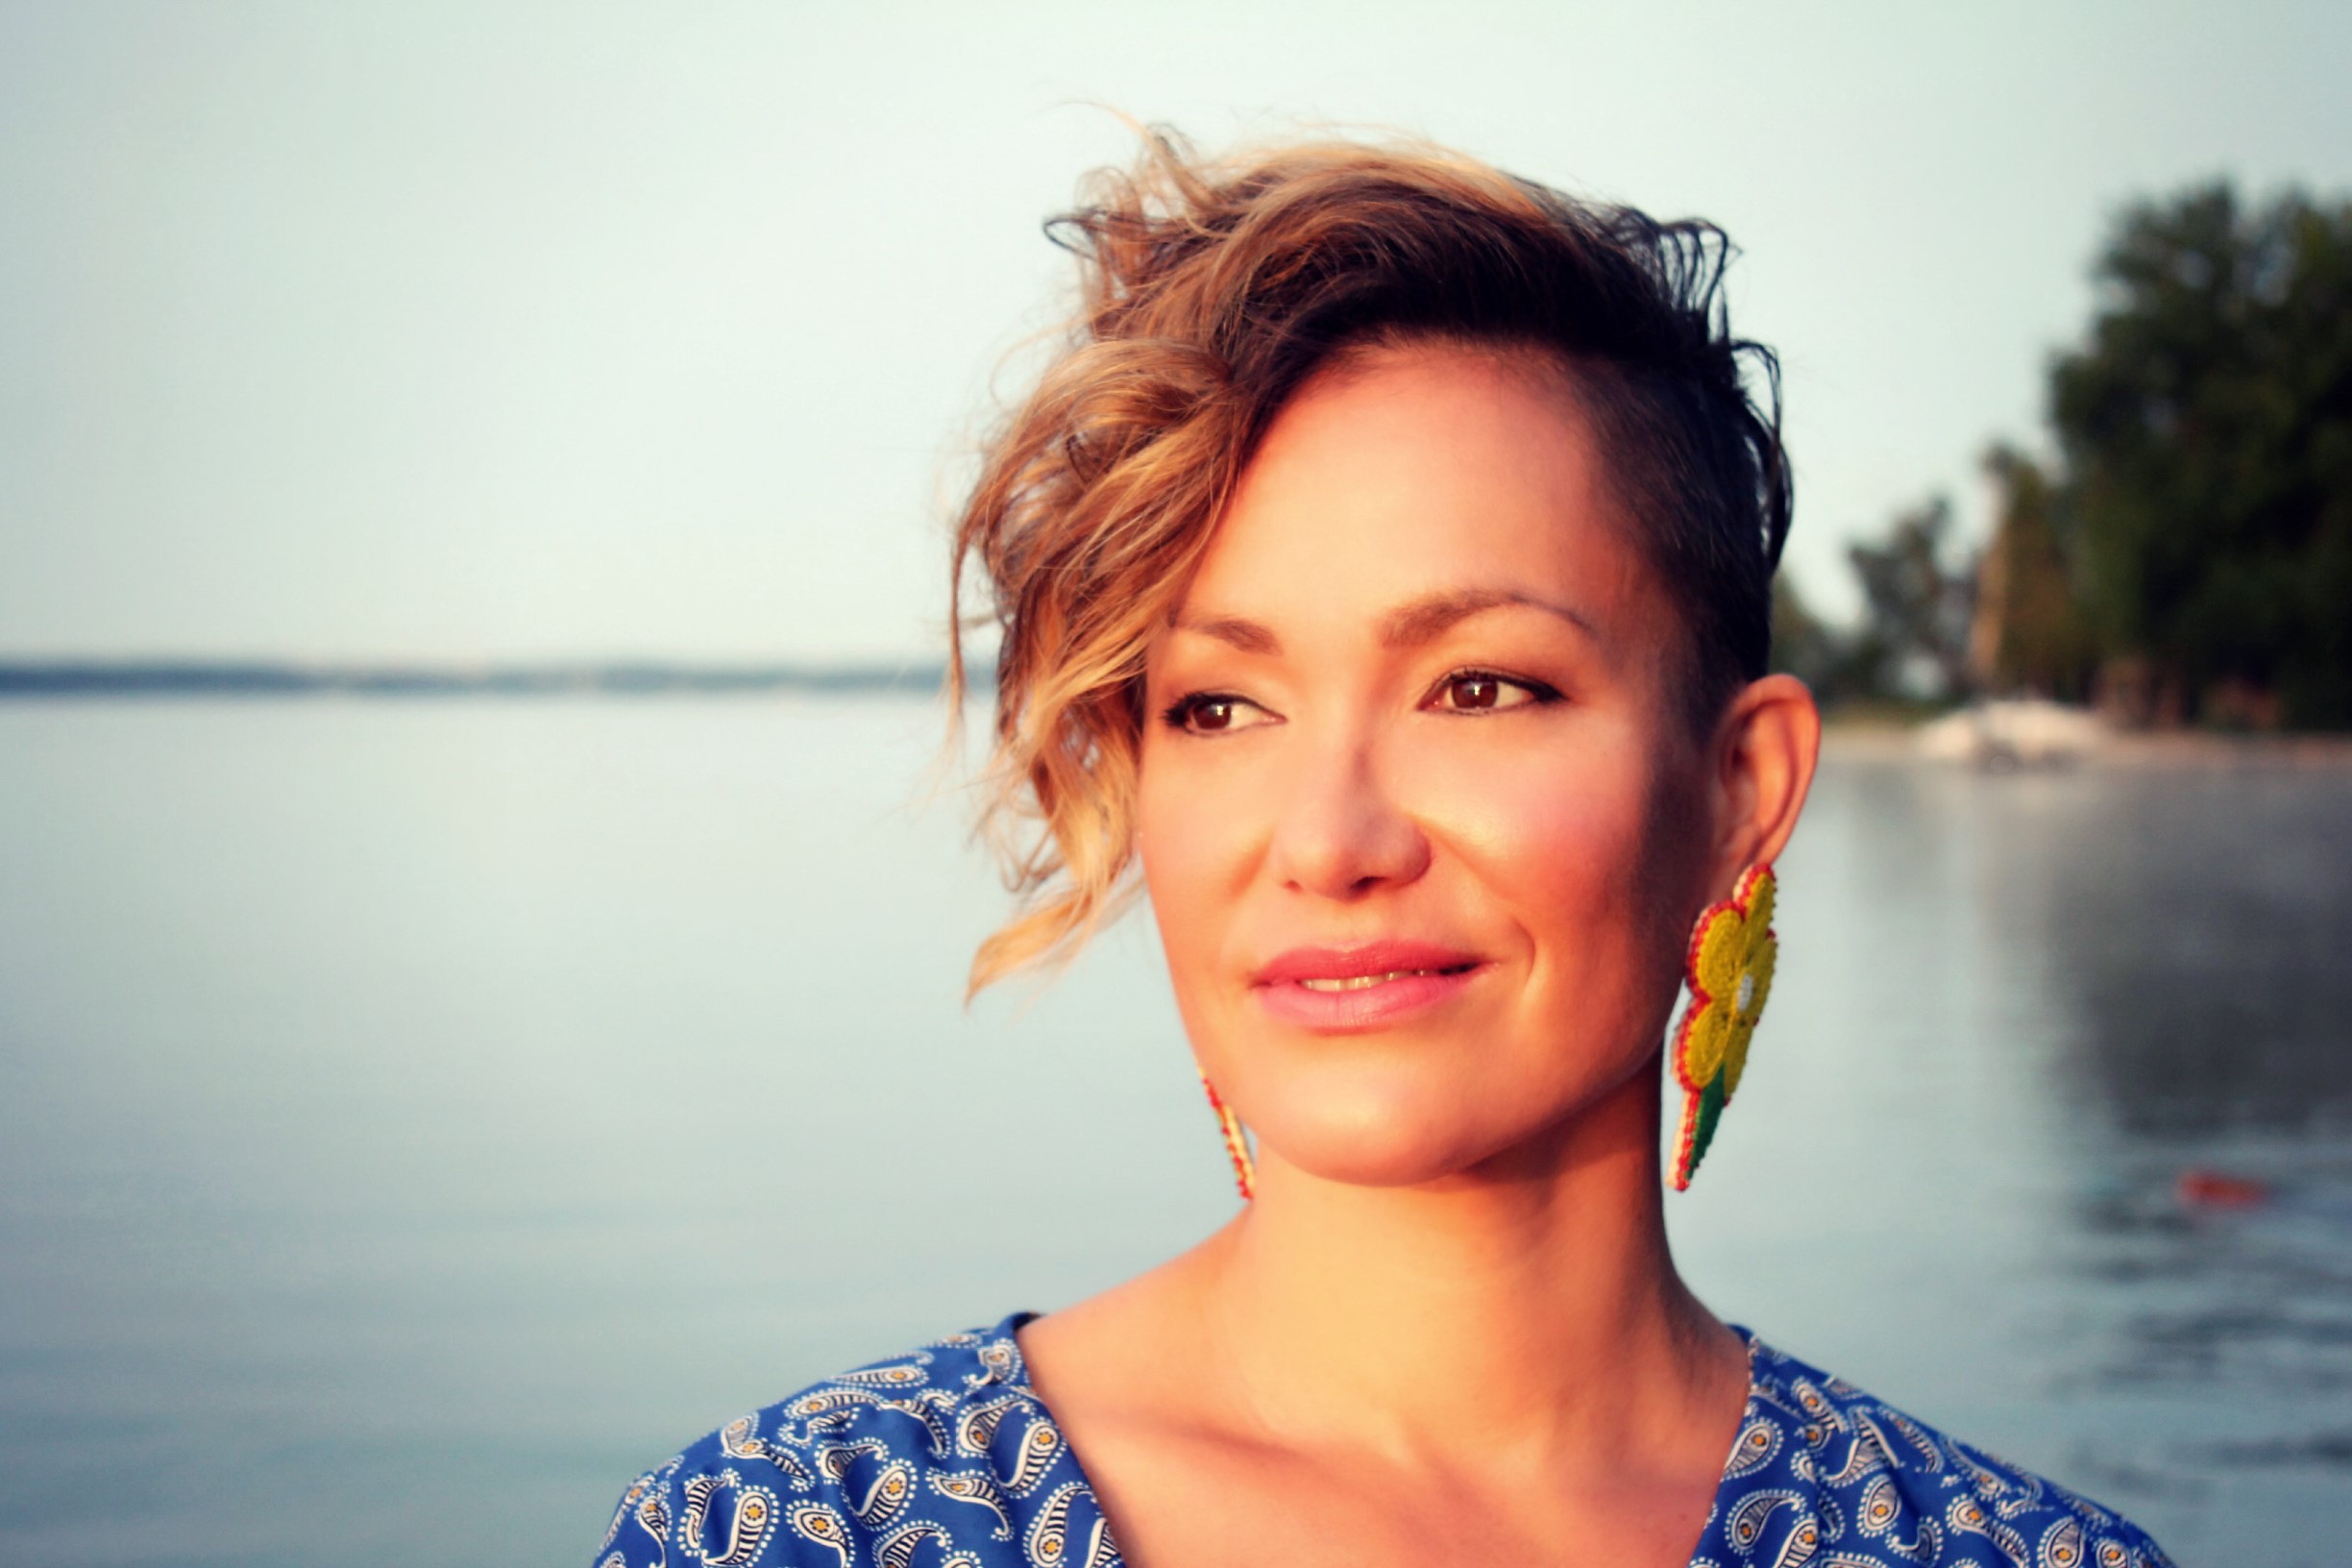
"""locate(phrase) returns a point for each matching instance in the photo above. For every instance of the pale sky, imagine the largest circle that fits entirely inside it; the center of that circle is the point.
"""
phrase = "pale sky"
(474, 330)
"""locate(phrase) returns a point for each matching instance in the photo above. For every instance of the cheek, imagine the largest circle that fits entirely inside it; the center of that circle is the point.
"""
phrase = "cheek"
(1557, 839)
(1582, 858)
(1195, 855)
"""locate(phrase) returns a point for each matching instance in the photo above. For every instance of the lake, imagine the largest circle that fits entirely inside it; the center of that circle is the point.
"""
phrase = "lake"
(419, 1116)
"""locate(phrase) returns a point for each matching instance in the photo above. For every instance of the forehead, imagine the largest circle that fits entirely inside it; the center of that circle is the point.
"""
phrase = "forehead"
(1408, 472)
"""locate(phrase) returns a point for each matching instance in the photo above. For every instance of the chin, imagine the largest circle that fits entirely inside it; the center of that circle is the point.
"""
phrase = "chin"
(1388, 1130)
(1403, 1119)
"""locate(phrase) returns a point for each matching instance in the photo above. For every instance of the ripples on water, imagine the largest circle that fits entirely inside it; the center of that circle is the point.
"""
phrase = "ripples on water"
(419, 1118)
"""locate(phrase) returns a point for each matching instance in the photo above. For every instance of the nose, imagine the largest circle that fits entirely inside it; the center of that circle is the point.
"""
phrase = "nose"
(1341, 833)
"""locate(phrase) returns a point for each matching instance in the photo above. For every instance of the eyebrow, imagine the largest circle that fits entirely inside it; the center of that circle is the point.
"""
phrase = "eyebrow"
(1248, 636)
(1432, 615)
(1409, 624)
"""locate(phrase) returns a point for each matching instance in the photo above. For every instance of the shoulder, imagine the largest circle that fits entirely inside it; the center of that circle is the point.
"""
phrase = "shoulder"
(946, 1446)
(1824, 1473)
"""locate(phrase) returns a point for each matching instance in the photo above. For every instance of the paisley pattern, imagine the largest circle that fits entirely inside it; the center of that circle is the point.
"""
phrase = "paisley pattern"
(946, 1459)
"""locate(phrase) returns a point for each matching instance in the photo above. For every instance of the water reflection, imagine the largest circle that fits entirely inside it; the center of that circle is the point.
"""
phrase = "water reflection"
(2056, 1112)
(2187, 918)
(2203, 918)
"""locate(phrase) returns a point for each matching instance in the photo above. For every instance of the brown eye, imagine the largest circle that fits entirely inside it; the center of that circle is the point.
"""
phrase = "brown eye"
(1482, 691)
(1474, 690)
(1214, 713)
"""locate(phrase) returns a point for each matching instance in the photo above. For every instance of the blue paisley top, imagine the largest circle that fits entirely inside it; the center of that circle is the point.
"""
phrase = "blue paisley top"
(945, 1458)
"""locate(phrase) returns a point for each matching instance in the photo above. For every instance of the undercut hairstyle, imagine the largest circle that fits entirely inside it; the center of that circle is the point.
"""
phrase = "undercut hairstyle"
(1212, 290)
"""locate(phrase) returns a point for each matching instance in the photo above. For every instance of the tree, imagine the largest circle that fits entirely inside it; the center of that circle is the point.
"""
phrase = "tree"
(2206, 428)
(1914, 640)
(1803, 646)
(2030, 633)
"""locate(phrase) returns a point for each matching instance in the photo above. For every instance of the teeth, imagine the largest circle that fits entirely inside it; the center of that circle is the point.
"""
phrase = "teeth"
(1364, 982)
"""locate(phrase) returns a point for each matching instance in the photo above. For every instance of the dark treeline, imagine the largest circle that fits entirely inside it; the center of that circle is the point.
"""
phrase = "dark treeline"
(2185, 554)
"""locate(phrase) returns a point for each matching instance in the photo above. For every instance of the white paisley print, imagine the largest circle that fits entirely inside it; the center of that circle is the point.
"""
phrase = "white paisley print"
(945, 1458)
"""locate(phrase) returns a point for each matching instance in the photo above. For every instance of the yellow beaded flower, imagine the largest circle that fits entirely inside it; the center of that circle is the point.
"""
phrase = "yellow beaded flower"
(1731, 972)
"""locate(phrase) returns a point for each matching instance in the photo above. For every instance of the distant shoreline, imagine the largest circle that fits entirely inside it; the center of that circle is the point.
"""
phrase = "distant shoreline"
(66, 679)
(1872, 740)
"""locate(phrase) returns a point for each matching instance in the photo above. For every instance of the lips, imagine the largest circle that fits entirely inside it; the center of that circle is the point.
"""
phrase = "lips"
(1369, 986)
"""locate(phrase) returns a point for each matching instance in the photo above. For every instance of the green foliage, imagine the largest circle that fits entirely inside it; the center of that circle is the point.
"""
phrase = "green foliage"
(2031, 634)
(1916, 608)
(1803, 646)
(2190, 553)
(1909, 655)
(2206, 428)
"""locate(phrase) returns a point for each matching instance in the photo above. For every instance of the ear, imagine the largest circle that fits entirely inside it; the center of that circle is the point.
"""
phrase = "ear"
(1764, 748)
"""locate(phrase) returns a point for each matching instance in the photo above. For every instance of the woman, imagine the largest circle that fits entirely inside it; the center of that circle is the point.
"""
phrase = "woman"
(1387, 570)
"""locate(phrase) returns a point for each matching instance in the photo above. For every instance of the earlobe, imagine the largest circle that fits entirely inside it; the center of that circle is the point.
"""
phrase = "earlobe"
(1767, 747)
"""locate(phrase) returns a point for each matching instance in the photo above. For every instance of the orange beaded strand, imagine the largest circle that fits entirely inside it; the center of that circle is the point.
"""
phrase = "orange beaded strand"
(1237, 1146)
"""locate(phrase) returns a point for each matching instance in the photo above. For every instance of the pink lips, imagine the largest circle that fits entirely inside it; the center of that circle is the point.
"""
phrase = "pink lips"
(1406, 978)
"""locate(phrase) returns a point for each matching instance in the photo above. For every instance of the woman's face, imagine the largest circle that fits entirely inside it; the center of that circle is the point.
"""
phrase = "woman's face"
(1422, 827)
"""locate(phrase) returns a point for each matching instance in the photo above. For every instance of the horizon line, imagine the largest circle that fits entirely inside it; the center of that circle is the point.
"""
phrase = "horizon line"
(172, 676)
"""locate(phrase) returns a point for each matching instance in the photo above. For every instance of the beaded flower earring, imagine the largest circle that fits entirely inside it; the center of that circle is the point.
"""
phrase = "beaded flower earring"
(1730, 971)
(1237, 1146)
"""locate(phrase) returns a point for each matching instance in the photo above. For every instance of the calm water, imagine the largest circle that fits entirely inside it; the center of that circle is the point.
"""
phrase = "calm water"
(416, 1118)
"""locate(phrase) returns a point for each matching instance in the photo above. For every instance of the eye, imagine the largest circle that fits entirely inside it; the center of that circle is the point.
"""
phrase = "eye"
(1214, 713)
(1482, 691)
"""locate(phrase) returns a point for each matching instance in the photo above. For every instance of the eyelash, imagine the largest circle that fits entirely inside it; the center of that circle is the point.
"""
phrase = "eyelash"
(1179, 715)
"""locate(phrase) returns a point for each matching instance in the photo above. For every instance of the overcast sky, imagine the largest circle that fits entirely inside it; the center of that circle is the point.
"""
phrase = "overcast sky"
(409, 330)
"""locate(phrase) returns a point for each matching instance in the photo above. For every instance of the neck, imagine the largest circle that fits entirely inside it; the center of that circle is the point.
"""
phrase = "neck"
(1522, 1300)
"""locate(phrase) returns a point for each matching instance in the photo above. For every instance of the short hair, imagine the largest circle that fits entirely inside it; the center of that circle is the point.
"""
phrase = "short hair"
(1213, 289)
